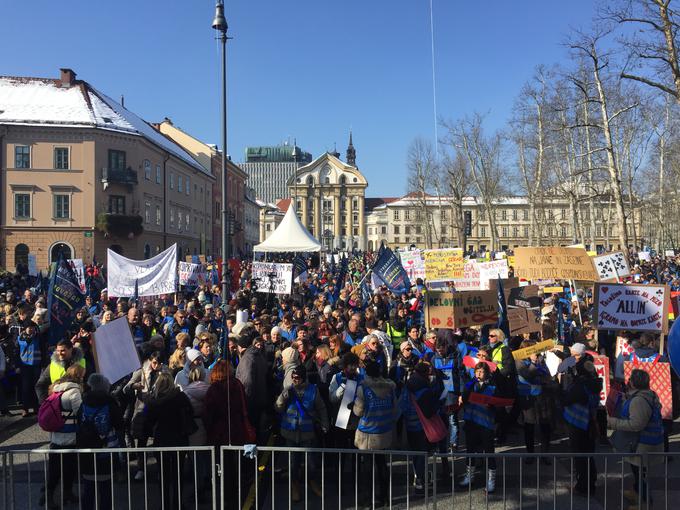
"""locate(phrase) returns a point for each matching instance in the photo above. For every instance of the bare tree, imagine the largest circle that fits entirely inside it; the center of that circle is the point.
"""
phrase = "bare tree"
(455, 178)
(653, 47)
(423, 169)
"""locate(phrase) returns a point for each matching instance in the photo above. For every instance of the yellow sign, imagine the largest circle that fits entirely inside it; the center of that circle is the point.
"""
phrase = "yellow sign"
(592, 253)
(534, 349)
(443, 265)
(511, 260)
(553, 290)
(555, 263)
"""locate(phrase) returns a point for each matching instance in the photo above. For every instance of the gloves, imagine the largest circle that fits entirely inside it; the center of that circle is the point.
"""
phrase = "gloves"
(350, 406)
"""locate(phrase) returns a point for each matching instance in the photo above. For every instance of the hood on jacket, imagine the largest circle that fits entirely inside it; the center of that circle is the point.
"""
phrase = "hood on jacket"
(76, 356)
(66, 386)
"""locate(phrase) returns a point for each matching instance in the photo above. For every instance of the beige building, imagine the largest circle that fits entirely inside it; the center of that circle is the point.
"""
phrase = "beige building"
(270, 216)
(330, 198)
(81, 174)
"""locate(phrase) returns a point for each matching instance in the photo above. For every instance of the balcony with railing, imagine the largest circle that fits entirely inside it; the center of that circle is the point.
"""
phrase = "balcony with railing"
(126, 177)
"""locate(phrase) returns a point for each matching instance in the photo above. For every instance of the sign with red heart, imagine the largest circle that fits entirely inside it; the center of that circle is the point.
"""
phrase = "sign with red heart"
(632, 307)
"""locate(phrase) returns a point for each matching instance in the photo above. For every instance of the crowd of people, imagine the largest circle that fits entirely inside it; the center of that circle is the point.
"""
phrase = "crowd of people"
(279, 374)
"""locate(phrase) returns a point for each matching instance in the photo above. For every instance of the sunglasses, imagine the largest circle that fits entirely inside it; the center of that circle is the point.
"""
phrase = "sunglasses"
(408, 349)
(493, 336)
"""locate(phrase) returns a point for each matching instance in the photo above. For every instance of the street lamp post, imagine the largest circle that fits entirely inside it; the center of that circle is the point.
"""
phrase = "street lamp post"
(220, 24)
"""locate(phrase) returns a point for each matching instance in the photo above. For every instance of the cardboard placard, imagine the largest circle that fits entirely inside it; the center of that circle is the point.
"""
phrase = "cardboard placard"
(523, 321)
(471, 279)
(491, 271)
(412, 262)
(523, 297)
(443, 265)
(631, 307)
(601, 364)
(475, 308)
(508, 283)
(273, 277)
(554, 262)
(439, 310)
(546, 345)
(553, 290)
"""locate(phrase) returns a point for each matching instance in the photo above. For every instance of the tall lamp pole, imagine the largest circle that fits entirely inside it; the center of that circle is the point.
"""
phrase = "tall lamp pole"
(220, 24)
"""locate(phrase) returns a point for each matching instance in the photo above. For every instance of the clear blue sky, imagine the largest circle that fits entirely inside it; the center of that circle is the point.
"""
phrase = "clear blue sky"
(309, 69)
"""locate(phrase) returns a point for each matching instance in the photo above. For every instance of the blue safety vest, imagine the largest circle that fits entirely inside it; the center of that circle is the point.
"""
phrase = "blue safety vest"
(297, 416)
(484, 416)
(578, 415)
(447, 367)
(378, 415)
(652, 434)
(410, 415)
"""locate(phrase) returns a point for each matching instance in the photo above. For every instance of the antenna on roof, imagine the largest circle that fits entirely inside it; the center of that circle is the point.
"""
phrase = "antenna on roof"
(122, 100)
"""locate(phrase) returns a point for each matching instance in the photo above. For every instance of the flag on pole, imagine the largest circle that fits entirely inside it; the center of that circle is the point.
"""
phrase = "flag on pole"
(388, 268)
(64, 299)
(365, 292)
(340, 281)
(503, 323)
(299, 269)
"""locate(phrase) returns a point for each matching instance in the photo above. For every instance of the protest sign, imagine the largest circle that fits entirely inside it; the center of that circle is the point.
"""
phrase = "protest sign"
(443, 265)
(154, 276)
(413, 264)
(523, 297)
(439, 310)
(508, 283)
(659, 382)
(669, 253)
(114, 350)
(553, 290)
(645, 256)
(631, 307)
(191, 275)
(32, 265)
(611, 266)
(344, 412)
(511, 260)
(471, 277)
(601, 364)
(623, 347)
(546, 345)
(272, 277)
(474, 308)
(79, 271)
(554, 262)
(524, 320)
(491, 271)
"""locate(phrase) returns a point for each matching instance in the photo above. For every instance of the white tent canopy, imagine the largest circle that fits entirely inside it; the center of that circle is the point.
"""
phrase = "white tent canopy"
(290, 235)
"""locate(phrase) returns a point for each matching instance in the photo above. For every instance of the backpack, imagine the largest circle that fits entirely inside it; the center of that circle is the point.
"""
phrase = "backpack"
(94, 426)
(50, 417)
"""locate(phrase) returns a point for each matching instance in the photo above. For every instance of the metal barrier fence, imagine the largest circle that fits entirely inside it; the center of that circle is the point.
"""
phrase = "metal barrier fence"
(292, 478)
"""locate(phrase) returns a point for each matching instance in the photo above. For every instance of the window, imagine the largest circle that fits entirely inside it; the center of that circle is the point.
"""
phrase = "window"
(444, 215)
(550, 230)
(515, 214)
(482, 215)
(407, 229)
(22, 206)
(180, 188)
(505, 232)
(22, 156)
(355, 231)
(172, 180)
(587, 229)
(187, 221)
(598, 230)
(395, 214)
(147, 212)
(355, 218)
(396, 229)
(551, 214)
(563, 231)
(158, 215)
(179, 220)
(407, 214)
(116, 204)
(21, 254)
(61, 158)
(443, 231)
(515, 232)
(564, 214)
(419, 215)
(147, 169)
(504, 214)
(419, 229)
(172, 216)
(269, 227)
(62, 209)
(586, 215)
(158, 174)
(355, 204)
(383, 230)
(396, 240)
(116, 160)
(526, 231)
(526, 214)
(482, 232)
(188, 187)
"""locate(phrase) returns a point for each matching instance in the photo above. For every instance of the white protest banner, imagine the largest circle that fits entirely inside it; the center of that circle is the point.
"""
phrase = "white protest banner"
(645, 256)
(114, 350)
(413, 264)
(32, 265)
(631, 307)
(191, 275)
(669, 253)
(491, 271)
(154, 276)
(471, 279)
(347, 398)
(611, 266)
(272, 277)
(79, 270)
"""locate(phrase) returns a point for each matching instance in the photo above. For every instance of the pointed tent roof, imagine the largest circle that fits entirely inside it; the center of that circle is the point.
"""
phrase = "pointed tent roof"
(290, 235)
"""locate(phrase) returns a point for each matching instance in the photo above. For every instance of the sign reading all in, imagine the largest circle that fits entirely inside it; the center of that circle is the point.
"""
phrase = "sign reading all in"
(632, 307)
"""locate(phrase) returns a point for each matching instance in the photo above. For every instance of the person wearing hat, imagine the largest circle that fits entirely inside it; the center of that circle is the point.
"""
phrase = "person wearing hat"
(194, 359)
(252, 372)
(403, 365)
(30, 358)
(302, 409)
(580, 398)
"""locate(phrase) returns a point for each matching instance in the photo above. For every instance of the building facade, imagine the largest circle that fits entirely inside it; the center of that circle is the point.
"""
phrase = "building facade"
(210, 158)
(81, 173)
(251, 220)
(270, 168)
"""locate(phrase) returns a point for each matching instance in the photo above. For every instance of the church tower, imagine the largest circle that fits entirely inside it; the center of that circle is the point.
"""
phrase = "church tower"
(351, 152)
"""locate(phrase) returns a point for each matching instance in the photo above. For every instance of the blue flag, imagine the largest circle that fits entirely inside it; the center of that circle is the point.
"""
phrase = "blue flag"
(332, 266)
(503, 323)
(340, 281)
(388, 268)
(40, 284)
(561, 335)
(365, 292)
(299, 266)
(64, 299)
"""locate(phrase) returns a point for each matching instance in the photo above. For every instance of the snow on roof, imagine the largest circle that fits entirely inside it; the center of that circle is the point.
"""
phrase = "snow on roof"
(39, 101)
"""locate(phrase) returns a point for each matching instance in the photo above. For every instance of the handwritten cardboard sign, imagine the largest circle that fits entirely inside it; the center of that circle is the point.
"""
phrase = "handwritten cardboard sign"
(443, 265)
(475, 308)
(546, 345)
(439, 310)
(524, 320)
(554, 262)
(631, 307)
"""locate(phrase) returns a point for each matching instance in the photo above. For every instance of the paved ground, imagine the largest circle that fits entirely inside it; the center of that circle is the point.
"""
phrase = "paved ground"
(517, 487)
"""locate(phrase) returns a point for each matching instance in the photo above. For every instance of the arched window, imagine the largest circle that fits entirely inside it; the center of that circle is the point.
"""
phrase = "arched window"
(310, 181)
(21, 254)
(60, 250)
(343, 179)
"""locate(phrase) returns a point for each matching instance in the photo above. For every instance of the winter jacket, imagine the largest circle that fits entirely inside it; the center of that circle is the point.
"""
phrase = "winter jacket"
(168, 416)
(252, 372)
(99, 399)
(71, 400)
(147, 378)
(219, 421)
(318, 413)
(382, 388)
(196, 391)
(46, 377)
(182, 377)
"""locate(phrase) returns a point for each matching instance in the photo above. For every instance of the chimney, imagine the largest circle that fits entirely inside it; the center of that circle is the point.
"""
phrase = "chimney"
(68, 77)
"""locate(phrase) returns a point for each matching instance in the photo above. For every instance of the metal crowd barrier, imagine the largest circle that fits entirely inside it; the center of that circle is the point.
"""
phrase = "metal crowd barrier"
(328, 479)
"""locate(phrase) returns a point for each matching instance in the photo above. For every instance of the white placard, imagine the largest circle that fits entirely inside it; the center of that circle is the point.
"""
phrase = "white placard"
(471, 277)
(631, 307)
(154, 276)
(347, 397)
(191, 275)
(611, 266)
(552, 361)
(491, 271)
(413, 264)
(79, 270)
(645, 256)
(114, 349)
(32, 265)
(670, 253)
(272, 277)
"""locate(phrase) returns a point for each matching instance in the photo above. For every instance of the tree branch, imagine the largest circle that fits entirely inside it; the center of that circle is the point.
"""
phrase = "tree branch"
(651, 83)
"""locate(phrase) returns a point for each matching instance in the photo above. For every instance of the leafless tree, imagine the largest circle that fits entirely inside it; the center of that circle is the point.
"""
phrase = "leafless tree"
(455, 179)
(423, 169)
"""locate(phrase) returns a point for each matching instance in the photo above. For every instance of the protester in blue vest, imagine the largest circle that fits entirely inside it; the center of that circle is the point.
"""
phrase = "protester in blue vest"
(302, 410)
(30, 358)
(376, 406)
(580, 398)
(480, 424)
(641, 417)
(447, 363)
(420, 391)
(344, 437)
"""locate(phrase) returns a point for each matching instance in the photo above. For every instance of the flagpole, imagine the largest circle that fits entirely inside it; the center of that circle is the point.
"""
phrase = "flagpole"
(365, 276)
